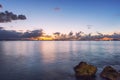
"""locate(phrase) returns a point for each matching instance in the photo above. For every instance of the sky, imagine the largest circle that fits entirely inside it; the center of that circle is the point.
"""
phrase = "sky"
(63, 16)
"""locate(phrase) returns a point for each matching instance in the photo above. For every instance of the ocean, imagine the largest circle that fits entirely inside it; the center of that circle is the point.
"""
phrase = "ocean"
(54, 60)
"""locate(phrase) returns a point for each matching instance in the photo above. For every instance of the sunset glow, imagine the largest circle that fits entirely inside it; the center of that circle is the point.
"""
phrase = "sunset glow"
(59, 39)
(44, 38)
(89, 16)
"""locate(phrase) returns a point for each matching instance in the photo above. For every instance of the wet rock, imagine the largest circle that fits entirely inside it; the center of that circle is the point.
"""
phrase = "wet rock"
(85, 78)
(85, 70)
(110, 73)
(119, 70)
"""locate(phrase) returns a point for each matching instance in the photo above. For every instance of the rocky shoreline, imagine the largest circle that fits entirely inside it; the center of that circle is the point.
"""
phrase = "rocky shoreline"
(85, 71)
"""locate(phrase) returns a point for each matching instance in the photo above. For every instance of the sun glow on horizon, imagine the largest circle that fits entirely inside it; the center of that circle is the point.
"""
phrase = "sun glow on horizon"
(44, 38)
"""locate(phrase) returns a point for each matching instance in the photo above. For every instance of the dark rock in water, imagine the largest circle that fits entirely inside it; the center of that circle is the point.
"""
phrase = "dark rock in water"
(85, 78)
(110, 73)
(119, 71)
(84, 70)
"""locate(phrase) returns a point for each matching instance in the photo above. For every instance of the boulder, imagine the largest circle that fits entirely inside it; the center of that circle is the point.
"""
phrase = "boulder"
(85, 70)
(110, 73)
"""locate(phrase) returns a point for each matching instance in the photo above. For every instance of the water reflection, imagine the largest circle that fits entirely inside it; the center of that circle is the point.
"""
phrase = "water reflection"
(33, 60)
(47, 51)
(55, 51)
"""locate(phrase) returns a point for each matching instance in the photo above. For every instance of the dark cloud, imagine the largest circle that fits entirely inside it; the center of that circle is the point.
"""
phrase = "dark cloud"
(57, 9)
(70, 33)
(57, 33)
(0, 6)
(12, 34)
(1, 28)
(9, 34)
(21, 17)
(34, 33)
(9, 16)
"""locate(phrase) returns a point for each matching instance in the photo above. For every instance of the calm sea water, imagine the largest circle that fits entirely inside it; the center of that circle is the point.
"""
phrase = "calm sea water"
(54, 60)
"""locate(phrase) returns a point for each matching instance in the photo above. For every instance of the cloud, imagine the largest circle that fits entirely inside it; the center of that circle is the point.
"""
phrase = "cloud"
(89, 26)
(9, 16)
(0, 6)
(12, 34)
(9, 34)
(56, 33)
(57, 9)
(1, 28)
(34, 33)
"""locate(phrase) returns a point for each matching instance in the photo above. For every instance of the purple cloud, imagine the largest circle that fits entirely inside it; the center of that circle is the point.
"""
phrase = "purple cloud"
(57, 9)
(0, 6)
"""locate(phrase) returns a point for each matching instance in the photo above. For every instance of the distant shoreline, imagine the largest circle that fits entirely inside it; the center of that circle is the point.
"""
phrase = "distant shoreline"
(60, 40)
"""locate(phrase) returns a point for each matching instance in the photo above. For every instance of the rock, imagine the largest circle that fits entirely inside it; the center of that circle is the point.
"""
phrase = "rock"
(85, 78)
(109, 73)
(119, 70)
(85, 70)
